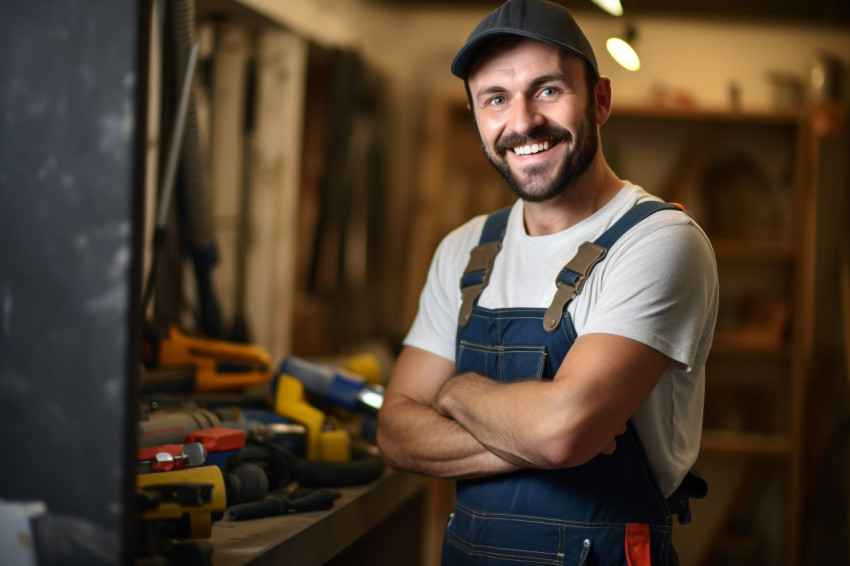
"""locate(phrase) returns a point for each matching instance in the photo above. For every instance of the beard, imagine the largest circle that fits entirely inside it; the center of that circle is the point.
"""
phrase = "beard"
(538, 187)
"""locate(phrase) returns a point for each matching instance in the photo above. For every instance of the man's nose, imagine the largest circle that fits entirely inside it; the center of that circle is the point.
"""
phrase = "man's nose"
(525, 116)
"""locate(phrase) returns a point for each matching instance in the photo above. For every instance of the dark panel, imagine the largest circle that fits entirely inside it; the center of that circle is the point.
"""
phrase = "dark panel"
(70, 183)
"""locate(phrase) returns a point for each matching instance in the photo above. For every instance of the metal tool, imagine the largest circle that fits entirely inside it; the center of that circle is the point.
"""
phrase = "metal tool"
(170, 457)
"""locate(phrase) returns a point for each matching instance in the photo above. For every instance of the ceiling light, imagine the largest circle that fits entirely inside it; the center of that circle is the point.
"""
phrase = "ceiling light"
(613, 7)
(623, 52)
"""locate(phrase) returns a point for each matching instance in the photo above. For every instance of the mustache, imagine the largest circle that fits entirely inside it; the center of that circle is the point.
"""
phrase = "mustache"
(543, 133)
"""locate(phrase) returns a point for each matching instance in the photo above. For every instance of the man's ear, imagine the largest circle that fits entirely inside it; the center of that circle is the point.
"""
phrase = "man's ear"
(602, 93)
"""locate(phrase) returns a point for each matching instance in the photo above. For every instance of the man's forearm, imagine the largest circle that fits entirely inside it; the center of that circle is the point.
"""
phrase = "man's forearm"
(509, 419)
(414, 437)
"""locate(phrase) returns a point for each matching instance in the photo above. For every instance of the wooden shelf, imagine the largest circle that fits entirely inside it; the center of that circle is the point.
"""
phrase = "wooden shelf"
(708, 115)
(748, 250)
(746, 443)
(732, 344)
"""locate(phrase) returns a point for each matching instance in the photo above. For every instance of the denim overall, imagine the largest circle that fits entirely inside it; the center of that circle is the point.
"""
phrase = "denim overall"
(607, 512)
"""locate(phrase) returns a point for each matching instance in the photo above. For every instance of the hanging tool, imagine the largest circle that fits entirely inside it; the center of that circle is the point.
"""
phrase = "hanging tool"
(165, 194)
(193, 189)
(185, 160)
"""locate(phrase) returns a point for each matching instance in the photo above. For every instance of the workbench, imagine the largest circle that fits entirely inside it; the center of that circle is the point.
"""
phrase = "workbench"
(379, 523)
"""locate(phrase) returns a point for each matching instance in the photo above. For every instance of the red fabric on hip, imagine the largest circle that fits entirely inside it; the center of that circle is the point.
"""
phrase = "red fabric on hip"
(637, 544)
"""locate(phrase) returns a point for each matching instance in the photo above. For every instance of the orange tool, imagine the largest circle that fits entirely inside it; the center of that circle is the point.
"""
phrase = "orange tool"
(218, 365)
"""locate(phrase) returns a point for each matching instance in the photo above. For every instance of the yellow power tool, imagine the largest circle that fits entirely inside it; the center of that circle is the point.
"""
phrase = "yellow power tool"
(325, 440)
(186, 498)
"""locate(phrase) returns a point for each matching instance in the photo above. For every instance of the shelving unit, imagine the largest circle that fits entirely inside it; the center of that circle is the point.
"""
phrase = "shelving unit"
(744, 177)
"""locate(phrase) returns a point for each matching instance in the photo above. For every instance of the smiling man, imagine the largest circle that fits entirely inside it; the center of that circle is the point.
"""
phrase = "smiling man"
(556, 364)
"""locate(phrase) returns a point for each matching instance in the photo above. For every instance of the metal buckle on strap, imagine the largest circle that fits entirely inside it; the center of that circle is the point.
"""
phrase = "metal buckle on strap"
(480, 265)
(577, 270)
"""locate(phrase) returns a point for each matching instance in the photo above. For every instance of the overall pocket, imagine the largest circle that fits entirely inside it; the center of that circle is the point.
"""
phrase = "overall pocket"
(505, 363)
(502, 540)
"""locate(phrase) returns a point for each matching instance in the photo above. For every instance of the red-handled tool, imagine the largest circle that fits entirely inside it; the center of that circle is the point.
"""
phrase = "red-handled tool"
(218, 438)
(170, 457)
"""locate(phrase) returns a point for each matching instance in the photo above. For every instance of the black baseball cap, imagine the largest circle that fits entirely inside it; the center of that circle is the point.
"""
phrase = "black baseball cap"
(536, 19)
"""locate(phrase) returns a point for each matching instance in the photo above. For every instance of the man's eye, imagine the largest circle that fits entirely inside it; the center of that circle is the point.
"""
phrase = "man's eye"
(549, 91)
(497, 100)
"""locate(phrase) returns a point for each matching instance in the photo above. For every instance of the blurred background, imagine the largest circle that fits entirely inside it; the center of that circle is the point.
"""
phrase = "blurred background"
(334, 150)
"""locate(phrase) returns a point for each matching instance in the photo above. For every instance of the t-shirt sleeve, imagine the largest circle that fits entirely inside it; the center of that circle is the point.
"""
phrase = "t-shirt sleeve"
(659, 288)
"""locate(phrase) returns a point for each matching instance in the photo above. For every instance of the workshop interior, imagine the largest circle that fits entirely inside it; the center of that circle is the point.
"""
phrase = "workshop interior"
(216, 217)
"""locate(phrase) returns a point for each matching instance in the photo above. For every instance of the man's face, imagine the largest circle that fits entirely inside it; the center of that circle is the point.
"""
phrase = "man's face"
(536, 119)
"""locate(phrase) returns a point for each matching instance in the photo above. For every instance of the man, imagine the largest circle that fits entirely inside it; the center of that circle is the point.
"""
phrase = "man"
(561, 382)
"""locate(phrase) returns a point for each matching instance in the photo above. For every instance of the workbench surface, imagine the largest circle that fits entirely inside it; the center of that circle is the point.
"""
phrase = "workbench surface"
(313, 538)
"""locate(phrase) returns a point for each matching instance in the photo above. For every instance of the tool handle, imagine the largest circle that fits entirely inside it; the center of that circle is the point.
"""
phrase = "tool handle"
(358, 471)
(319, 500)
(257, 509)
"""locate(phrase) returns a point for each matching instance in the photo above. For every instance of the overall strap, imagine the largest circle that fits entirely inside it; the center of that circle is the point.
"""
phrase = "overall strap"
(572, 277)
(481, 259)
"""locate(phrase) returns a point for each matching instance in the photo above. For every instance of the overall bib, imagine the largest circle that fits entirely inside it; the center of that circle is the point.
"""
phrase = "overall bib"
(607, 512)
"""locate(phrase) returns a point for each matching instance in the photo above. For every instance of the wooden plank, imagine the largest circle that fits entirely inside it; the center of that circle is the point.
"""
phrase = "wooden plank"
(806, 200)
(230, 61)
(275, 187)
(747, 443)
(427, 207)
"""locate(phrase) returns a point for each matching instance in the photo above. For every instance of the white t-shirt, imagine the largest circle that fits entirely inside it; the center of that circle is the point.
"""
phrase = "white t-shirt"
(657, 285)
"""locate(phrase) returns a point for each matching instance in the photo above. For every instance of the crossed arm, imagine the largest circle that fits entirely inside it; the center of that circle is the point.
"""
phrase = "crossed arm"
(443, 424)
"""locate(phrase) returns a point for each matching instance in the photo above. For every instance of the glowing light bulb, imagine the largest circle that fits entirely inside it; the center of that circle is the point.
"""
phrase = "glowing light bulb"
(613, 7)
(623, 53)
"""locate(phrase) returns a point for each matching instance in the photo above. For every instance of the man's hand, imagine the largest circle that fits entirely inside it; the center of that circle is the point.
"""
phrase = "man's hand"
(613, 445)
